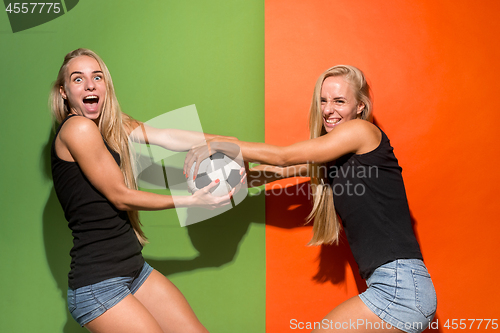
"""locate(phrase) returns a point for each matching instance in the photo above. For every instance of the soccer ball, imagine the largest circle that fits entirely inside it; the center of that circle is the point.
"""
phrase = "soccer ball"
(217, 166)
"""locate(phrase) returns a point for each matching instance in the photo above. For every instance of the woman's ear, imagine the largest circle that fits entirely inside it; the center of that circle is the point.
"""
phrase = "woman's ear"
(361, 107)
(62, 92)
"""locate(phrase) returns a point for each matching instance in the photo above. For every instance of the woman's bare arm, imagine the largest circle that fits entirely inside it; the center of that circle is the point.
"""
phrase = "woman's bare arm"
(355, 136)
(263, 174)
(168, 138)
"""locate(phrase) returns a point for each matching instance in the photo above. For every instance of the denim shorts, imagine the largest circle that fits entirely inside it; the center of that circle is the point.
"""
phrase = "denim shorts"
(87, 303)
(401, 293)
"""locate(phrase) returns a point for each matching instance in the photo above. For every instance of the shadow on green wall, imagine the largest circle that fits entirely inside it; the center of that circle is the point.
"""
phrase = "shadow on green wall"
(291, 211)
(217, 239)
(57, 239)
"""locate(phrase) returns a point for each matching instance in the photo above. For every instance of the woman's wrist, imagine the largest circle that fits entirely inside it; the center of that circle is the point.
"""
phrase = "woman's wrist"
(226, 146)
(183, 201)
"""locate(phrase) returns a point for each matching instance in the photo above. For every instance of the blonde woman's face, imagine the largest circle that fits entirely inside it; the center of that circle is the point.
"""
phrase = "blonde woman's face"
(338, 102)
(84, 87)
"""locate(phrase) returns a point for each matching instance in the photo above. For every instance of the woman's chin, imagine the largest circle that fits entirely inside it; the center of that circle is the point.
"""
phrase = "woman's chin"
(92, 111)
(94, 116)
(328, 127)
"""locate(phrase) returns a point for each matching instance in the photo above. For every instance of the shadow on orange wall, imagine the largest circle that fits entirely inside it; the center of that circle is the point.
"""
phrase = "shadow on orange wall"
(290, 211)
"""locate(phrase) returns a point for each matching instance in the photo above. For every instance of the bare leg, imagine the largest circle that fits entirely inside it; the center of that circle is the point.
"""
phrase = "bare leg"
(353, 316)
(129, 315)
(168, 306)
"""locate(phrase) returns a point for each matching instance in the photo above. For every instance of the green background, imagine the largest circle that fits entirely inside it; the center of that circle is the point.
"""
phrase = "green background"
(162, 55)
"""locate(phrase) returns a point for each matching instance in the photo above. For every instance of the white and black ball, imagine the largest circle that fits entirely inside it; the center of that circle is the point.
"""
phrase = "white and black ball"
(218, 166)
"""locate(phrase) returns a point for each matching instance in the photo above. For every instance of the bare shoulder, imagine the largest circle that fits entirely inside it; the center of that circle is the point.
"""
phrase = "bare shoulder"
(76, 136)
(78, 128)
(370, 134)
(359, 126)
(80, 136)
(356, 128)
(366, 135)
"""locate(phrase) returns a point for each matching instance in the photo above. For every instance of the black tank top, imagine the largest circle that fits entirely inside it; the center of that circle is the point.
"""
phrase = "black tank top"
(370, 198)
(104, 241)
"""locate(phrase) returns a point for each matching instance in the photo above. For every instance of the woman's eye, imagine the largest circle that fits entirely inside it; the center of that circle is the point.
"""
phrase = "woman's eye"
(78, 80)
(339, 101)
(98, 78)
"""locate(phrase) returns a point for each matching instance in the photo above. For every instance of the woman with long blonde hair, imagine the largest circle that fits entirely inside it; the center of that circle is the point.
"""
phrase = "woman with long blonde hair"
(111, 287)
(355, 175)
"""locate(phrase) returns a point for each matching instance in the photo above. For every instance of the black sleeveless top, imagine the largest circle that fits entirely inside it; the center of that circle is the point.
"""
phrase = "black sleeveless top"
(104, 241)
(370, 198)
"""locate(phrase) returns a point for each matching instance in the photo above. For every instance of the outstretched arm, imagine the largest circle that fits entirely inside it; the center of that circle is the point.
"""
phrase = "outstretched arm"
(168, 138)
(355, 136)
(263, 174)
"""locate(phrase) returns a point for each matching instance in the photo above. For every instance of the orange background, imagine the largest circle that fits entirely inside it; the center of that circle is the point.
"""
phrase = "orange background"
(433, 67)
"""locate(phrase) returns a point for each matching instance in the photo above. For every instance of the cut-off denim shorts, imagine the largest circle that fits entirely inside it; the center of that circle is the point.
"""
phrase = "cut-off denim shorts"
(401, 293)
(87, 303)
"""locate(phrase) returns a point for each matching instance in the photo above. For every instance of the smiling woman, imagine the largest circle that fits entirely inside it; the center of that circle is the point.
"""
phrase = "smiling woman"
(111, 287)
(338, 102)
(354, 173)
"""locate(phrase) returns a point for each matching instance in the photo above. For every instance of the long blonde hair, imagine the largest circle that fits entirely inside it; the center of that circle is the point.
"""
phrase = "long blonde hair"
(112, 123)
(326, 226)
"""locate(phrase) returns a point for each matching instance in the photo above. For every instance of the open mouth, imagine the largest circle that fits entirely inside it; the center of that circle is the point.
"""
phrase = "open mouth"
(91, 99)
(91, 103)
(332, 121)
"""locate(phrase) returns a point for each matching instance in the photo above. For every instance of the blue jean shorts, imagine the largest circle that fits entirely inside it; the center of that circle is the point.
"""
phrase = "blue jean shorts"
(87, 303)
(401, 293)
